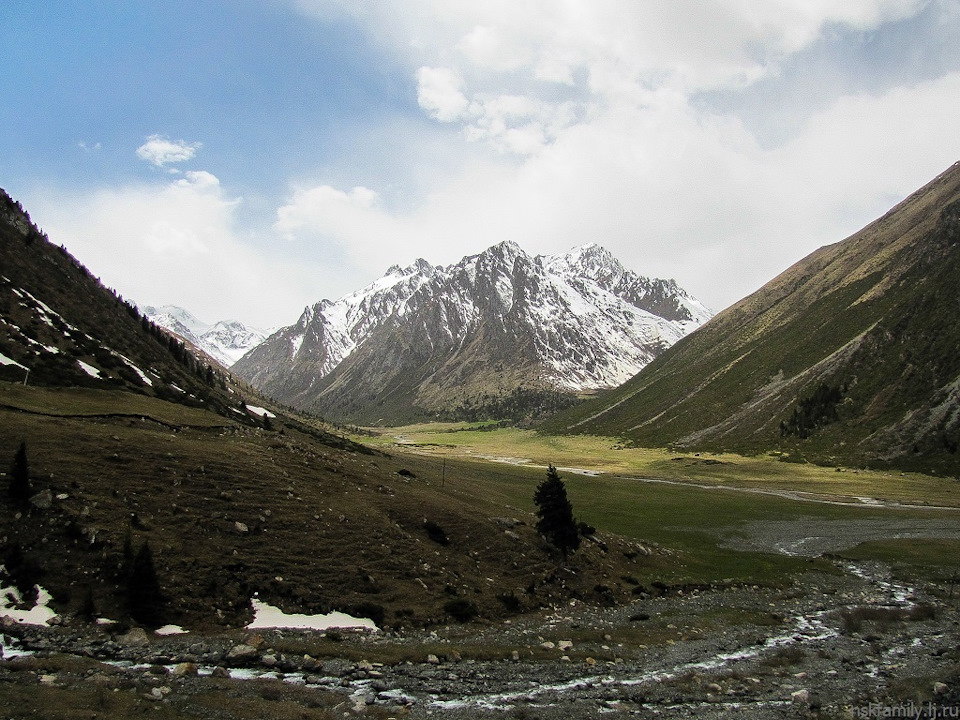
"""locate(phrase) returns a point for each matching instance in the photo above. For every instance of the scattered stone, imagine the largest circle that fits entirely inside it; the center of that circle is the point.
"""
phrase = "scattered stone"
(240, 527)
(136, 636)
(43, 500)
(940, 688)
(185, 669)
(433, 659)
(565, 645)
(241, 653)
(220, 672)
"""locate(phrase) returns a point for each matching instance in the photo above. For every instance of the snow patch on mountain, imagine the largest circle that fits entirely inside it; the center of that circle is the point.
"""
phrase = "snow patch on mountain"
(226, 340)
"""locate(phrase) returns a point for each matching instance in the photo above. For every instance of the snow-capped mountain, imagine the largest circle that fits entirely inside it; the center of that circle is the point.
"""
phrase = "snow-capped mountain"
(498, 332)
(226, 341)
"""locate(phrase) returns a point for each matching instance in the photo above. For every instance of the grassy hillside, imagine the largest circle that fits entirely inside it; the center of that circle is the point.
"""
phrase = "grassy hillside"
(872, 319)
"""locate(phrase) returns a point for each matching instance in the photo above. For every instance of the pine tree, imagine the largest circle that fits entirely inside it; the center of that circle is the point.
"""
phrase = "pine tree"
(556, 521)
(19, 487)
(145, 601)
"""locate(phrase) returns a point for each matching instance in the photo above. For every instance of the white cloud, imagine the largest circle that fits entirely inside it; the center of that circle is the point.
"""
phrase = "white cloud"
(179, 243)
(160, 151)
(556, 124)
(438, 92)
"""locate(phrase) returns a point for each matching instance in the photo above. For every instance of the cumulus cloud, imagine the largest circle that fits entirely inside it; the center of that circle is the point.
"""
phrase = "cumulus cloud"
(179, 242)
(438, 92)
(160, 151)
(584, 121)
(596, 109)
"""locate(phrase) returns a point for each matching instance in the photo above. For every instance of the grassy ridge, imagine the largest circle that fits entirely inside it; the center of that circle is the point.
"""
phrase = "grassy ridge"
(874, 315)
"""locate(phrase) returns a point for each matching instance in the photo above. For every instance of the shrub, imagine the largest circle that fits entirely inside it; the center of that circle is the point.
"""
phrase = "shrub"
(436, 533)
(461, 610)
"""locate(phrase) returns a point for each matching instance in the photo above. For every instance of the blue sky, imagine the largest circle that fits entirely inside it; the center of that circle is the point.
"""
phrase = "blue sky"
(245, 158)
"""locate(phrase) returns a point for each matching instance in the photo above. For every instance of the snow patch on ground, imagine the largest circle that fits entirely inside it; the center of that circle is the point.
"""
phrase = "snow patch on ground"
(4, 360)
(39, 614)
(170, 630)
(268, 616)
(259, 411)
(89, 369)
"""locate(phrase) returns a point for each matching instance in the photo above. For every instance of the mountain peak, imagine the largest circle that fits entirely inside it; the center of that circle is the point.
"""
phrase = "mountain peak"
(499, 333)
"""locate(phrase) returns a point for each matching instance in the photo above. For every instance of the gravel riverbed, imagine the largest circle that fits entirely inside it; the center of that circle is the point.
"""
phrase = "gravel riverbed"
(833, 645)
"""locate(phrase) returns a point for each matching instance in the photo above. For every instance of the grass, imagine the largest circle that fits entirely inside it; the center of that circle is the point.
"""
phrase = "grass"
(677, 516)
(89, 402)
(609, 456)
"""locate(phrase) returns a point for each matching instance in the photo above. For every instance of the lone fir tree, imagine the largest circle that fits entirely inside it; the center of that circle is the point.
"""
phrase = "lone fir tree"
(19, 487)
(145, 601)
(556, 521)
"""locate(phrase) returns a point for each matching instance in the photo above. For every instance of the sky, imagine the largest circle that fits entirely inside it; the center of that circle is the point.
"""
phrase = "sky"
(246, 158)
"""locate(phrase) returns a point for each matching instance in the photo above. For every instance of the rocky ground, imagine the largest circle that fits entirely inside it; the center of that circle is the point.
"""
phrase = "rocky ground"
(833, 645)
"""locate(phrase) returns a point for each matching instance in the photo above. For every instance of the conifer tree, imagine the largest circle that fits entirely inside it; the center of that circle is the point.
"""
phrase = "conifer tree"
(19, 487)
(145, 601)
(556, 521)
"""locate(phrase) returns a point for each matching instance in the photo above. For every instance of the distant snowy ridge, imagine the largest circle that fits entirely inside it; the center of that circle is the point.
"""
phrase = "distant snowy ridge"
(572, 322)
(226, 341)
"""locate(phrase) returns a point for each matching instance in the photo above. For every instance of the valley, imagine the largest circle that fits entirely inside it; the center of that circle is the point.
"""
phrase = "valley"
(696, 599)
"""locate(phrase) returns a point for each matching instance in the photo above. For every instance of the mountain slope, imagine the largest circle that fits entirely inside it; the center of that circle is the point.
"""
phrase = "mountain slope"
(226, 341)
(499, 334)
(848, 355)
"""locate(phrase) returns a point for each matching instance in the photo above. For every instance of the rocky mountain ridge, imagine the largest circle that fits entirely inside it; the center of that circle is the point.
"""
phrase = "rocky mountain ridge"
(498, 333)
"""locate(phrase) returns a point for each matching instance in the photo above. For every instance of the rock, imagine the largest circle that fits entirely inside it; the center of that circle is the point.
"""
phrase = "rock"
(240, 527)
(515, 656)
(565, 645)
(220, 672)
(269, 660)
(433, 659)
(939, 688)
(136, 636)
(43, 500)
(590, 662)
(548, 645)
(241, 653)
(801, 697)
(714, 688)
(185, 669)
